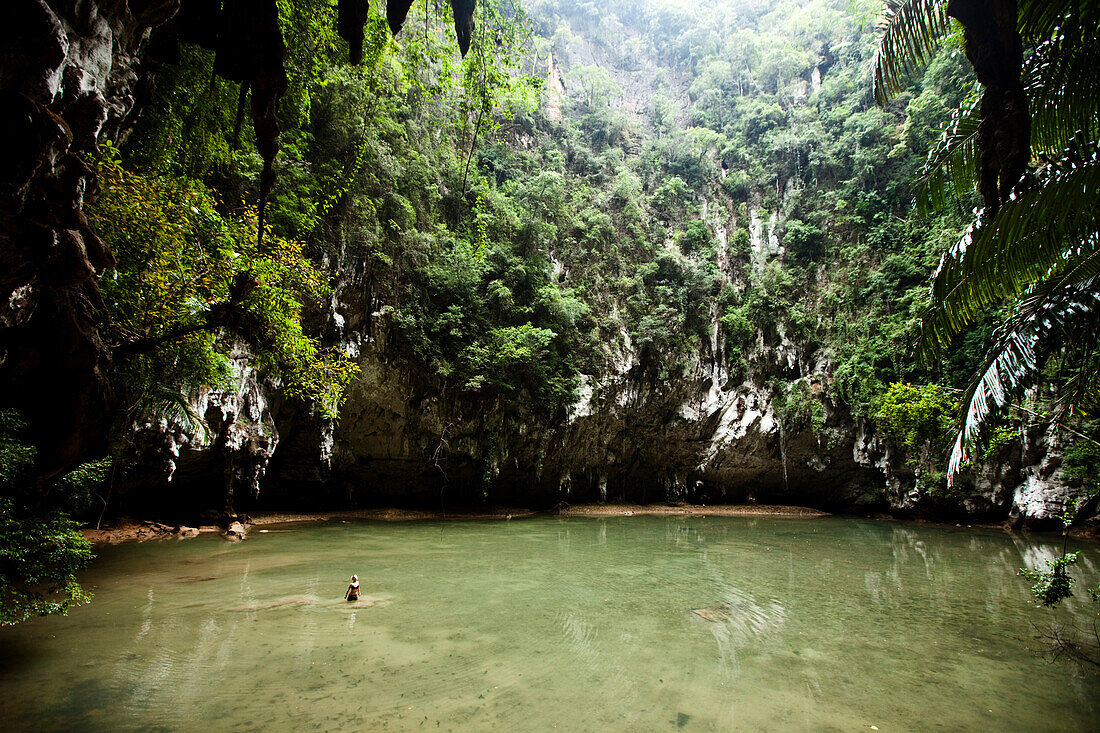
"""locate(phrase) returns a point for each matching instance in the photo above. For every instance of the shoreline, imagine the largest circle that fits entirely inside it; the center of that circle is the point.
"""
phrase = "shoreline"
(579, 510)
(132, 530)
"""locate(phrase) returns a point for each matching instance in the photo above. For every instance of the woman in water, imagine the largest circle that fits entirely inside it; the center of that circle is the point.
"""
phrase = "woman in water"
(353, 589)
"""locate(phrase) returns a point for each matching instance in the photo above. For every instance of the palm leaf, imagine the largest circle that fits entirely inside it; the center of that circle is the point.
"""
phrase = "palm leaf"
(1040, 19)
(1032, 235)
(1020, 349)
(164, 402)
(1080, 393)
(911, 34)
(952, 164)
(1009, 363)
(1061, 79)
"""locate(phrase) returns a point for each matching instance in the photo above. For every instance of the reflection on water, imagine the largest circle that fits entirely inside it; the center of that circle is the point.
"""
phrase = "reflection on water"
(637, 623)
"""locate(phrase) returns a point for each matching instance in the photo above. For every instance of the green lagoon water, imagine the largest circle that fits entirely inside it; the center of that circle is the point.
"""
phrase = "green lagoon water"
(579, 624)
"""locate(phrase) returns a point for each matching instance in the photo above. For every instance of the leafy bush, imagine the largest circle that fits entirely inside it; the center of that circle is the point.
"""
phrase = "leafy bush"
(798, 408)
(671, 198)
(916, 415)
(804, 241)
(41, 550)
(39, 559)
(1081, 462)
(1052, 586)
(737, 327)
(922, 419)
(697, 239)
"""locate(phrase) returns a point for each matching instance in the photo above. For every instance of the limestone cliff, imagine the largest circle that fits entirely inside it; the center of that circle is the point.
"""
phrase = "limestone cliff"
(67, 79)
(701, 436)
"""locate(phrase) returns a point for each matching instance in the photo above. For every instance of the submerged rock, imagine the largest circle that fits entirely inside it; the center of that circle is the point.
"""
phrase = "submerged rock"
(284, 602)
(721, 612)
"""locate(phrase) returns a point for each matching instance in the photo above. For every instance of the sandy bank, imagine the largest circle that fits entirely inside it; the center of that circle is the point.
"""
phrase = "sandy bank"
(578, 510)
(702, 510)
(130, 530)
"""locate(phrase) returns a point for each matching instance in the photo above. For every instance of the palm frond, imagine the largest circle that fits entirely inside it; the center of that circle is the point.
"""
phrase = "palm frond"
(952, 165)
(161, 401)
(1061, 79)
(1040, 19)
(910, 35)
(1081, 391)
(1021, 347)
(1035, 233)
(1013, 360)
(1079, 395)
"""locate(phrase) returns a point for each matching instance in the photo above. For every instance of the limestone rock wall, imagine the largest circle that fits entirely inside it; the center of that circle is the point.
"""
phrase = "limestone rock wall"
(67, 74)
(218, 465)
(701, 436)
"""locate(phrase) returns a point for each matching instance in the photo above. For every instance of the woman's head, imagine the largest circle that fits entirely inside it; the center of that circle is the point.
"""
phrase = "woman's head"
(354, 578)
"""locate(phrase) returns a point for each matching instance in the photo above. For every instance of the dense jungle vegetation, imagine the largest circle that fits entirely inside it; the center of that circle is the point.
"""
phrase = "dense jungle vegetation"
(591, 181)
(513, 251)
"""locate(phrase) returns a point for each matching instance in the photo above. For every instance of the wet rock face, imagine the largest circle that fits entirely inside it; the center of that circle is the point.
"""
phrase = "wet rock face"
(1040, 495)
(66, 71)
(702, 436)
(175, 470)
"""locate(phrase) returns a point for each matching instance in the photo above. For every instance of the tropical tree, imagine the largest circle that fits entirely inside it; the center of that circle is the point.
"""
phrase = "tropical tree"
(1029, 142)
(189, 282)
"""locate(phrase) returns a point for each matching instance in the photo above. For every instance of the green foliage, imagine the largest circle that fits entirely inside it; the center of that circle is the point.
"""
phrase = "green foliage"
(1051, 587)
(596, 84)
(41, 549)
(799, 407)
(515, 356)
(16, 455)
(737, 327)
(911, 32)
(921, 418)
(671, 199)
(995, 443)
(697, 239)
(805, 241)
(39, 559)
(916, 415)
(188, 280)
(834, 168)
(1081, 463)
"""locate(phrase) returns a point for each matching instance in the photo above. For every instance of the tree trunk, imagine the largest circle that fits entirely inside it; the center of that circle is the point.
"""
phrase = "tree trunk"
(995, 50)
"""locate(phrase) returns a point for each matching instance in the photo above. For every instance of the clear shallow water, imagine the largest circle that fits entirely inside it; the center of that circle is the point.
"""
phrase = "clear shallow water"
(569, 624)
